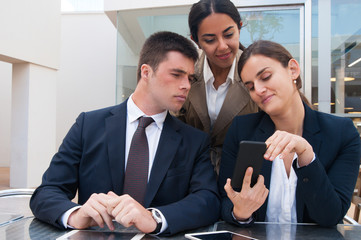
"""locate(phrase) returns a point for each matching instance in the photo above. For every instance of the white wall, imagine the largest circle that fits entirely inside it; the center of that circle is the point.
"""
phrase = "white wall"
(87, 67)
(122, 5)
(29, 31)
(5, 109)
(85, 79)
(30, 35)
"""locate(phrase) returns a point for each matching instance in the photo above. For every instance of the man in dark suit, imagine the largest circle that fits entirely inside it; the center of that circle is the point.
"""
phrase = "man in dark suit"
(181, 191)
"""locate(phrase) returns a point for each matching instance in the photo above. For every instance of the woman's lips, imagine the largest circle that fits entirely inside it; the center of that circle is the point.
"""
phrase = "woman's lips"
(267, 99)
(224, 56)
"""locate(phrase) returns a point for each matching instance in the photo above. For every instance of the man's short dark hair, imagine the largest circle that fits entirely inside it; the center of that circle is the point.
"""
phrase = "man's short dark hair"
(157, 46)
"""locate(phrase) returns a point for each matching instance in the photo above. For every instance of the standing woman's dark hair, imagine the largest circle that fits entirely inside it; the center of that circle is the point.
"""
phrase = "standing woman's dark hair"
(204, 8)
(272, 50)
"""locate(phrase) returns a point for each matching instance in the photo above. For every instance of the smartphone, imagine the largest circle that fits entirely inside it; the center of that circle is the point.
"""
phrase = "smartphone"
(217, 235)
(250, 154)
(90, 234)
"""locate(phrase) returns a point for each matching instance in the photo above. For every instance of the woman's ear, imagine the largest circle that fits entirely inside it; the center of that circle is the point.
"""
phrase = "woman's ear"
(294, 68)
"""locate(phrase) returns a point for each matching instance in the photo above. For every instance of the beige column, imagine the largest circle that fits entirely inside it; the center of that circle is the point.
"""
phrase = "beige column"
(33, 126)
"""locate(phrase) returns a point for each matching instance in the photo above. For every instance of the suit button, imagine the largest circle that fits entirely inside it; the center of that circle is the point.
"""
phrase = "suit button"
(305, 180)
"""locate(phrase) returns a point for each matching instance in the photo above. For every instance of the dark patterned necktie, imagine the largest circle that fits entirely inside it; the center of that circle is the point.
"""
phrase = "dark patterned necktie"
(136, 173)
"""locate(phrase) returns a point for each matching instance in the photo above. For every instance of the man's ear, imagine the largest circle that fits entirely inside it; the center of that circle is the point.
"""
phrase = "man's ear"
(145, 71)
(294, 68)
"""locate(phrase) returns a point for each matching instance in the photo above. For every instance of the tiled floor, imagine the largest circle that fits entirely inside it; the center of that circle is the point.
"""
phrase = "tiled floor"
(5, 184)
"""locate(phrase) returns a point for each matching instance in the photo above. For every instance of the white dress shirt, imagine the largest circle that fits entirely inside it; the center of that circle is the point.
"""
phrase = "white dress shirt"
(281, 206)
(153, 132)
(215, 97)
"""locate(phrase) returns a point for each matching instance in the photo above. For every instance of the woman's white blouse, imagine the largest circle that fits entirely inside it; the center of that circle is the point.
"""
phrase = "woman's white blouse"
(281, 206)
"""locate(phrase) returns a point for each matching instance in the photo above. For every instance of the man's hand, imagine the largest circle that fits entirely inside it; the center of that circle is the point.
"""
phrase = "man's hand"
(92, 213)
(128, 212)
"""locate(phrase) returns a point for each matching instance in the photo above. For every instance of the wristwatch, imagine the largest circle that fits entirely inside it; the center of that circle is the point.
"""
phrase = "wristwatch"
(158, 220)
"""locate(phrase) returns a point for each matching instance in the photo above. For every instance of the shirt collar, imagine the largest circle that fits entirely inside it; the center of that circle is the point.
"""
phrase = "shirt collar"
(134, 113)
(208, 75)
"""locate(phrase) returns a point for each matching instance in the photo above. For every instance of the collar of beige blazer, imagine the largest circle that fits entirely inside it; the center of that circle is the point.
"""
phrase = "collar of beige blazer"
(236, 99)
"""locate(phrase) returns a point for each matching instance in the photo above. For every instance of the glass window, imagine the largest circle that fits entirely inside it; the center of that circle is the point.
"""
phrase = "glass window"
(346, 56)
(282, 23)
(345, 52)
(279, 25)
(131, 41)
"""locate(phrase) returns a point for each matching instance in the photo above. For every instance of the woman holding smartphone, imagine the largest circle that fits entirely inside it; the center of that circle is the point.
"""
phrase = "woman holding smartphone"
(312, 158)
(216, 95)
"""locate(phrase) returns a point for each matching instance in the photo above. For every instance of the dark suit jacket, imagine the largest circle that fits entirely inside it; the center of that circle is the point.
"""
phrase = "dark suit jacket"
(324, 187)
(182, 183)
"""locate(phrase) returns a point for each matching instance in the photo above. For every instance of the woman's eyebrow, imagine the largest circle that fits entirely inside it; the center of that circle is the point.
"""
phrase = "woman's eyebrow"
(261, 71)
(228, 29)
(258, 73)
(211, 34)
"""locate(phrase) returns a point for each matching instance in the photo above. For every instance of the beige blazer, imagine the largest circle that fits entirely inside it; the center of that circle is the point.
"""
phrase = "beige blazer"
(195, 111)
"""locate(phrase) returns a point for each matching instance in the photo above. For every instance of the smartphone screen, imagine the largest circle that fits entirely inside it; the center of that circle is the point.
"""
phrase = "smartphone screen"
(250, 154)
(220, 235)
(88, 235)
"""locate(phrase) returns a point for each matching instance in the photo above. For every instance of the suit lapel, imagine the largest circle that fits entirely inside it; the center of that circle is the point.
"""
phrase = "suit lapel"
(311, 129)
(236, 99)
(197, 97)
(116, 132)
(311, 132)
(265, 129)
(167, 148)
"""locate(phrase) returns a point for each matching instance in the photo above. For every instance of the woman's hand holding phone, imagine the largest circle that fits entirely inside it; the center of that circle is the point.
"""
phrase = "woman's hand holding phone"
(249, 199)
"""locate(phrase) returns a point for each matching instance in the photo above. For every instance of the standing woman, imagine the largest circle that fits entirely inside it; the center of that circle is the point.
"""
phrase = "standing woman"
(216, 95)
(312, 158)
